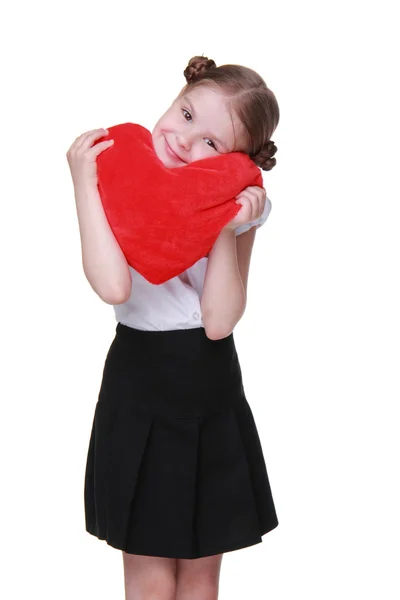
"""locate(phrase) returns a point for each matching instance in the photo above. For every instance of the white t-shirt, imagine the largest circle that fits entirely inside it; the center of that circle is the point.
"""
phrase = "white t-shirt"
(174, 304)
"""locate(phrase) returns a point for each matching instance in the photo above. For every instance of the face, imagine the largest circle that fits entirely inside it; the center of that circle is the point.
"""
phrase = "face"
(198, 125)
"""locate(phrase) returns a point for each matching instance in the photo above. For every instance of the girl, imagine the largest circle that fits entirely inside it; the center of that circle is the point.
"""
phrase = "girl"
(175, 474)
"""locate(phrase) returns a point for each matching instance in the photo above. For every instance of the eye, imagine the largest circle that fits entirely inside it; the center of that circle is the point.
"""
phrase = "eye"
(213, 145)
(186, 113)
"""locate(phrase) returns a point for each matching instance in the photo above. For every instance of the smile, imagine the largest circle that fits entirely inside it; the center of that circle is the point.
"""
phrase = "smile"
(171, 152)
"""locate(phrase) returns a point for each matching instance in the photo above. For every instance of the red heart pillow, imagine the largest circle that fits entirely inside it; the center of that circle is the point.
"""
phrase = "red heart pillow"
(166, 219)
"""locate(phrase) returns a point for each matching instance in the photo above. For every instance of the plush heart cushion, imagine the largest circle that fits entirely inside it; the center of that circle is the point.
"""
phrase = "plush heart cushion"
(166, 219)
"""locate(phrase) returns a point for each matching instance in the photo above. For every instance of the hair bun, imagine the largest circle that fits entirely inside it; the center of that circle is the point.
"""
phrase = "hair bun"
(264, 158)
(197, 66)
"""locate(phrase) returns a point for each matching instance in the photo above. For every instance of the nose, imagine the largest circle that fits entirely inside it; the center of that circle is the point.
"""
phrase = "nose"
(183, 141)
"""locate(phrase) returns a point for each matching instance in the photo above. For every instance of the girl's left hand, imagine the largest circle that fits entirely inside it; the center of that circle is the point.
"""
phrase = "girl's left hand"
(252, 200)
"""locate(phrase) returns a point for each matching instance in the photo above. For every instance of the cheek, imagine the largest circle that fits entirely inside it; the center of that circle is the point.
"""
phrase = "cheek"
(168, 122)
(161, 128)
(202, 150)
(158, 143)
(155, 135)
(163, 123)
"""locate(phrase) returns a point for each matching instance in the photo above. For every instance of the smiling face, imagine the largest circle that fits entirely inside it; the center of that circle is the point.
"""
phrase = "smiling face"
(197, 125)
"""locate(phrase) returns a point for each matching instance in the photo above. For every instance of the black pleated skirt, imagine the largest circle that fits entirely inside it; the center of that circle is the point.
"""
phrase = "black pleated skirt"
(175, 466)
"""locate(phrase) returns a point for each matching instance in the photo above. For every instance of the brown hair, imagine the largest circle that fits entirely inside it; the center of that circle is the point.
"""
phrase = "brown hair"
(254, 103)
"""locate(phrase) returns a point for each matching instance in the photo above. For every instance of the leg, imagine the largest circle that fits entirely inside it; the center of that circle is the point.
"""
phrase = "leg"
(198, 579)
(149, 577)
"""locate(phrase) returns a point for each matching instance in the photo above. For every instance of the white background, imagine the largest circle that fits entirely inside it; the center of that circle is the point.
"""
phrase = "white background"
(319, 343)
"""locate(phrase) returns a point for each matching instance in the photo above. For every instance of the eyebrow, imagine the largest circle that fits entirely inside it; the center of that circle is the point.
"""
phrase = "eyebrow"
(194, 113)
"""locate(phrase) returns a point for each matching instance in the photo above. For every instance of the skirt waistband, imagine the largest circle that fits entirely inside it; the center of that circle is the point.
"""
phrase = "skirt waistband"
(188, 342)
(174, 372)
(128, 332)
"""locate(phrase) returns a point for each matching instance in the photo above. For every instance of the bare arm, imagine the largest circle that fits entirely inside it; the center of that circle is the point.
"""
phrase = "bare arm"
(104, 263)
(224, 295)
(223, 298)
(225, 286)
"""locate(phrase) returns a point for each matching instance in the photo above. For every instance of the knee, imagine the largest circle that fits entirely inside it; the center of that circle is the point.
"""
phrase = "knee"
(159, 588)
(193, 588)
(198, 579)
(149, 578)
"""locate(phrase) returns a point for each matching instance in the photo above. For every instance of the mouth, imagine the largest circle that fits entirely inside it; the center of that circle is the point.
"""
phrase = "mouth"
(172, 153)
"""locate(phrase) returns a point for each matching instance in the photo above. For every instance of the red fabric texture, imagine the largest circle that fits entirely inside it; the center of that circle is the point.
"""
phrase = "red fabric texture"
(166, 219)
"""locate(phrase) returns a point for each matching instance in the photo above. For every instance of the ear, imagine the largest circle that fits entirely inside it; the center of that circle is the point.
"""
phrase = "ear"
(244, 247)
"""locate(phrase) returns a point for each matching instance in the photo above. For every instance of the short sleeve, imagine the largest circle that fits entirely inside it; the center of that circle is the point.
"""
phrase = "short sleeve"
(258, 222)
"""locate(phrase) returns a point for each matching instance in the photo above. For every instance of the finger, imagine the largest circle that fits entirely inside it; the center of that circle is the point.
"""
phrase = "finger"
(244, 214)
(254, 202)
(247, 194)
(87, 139)
(257, 206)
(256, 188)
(259, 191)
(261, 199)
(100, 147)
(261, 202)
(80, 141)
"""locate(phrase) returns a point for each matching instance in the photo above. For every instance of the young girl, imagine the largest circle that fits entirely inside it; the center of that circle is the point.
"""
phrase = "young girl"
(175, 473)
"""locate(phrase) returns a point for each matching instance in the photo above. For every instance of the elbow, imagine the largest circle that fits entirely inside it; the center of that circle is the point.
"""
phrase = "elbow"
(217, 328)
(217, 333)
(116, 296)
(112, 290)
(116, 293)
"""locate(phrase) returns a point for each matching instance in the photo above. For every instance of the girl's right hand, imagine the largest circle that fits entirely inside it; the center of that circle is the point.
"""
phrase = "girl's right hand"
(82, 156)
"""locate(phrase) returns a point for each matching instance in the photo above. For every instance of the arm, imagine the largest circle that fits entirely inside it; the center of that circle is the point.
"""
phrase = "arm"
(104, 263)
(224, 295)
